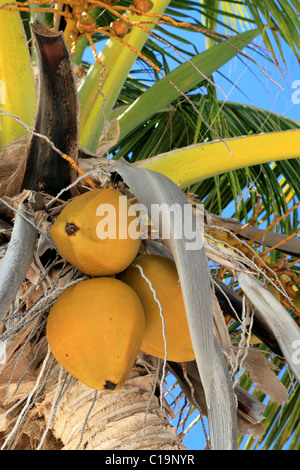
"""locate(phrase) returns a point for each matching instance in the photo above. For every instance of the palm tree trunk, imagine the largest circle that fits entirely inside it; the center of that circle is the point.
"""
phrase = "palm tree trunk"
(130, 419)
(73, 416)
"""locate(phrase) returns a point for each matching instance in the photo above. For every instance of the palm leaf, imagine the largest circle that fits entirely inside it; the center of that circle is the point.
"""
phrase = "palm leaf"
(178, 126)
(21, 246)
(118, 60)
(152, 188)
(281, 422)
(283, 18)
(276, 20)
(189, 165)
(185, 78)
(269, 308)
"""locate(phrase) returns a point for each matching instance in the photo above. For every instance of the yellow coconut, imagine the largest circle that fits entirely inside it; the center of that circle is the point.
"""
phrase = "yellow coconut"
(98, 232)
(163, 276)
(95, 330)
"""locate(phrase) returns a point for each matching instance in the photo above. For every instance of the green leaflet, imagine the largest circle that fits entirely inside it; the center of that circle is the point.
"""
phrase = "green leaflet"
(95, 107)
(183, 79)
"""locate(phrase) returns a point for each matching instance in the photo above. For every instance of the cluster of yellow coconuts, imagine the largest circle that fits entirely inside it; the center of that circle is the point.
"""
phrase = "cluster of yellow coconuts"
(97, 327)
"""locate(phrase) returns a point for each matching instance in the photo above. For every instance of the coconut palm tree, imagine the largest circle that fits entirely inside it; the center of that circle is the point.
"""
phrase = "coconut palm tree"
(147, 118)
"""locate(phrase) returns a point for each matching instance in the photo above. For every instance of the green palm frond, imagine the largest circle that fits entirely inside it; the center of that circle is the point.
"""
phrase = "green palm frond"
(177, 127)
(276, 20)
(279, 20)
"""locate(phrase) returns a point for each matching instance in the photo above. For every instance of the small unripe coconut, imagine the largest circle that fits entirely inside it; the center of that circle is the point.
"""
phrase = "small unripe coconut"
(120, 28)
(86, 22)
(143, 5)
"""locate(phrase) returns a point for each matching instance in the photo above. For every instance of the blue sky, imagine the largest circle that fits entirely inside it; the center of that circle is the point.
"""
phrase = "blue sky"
(279, 97)
(282, 97)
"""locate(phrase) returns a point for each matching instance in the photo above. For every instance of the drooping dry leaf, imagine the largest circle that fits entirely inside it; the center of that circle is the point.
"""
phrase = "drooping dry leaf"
(291, 246)
(275, 316)
(249, 409)
(260, 370)
(18, 378)
(21, 246)
(221, 330)
(151, 188)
